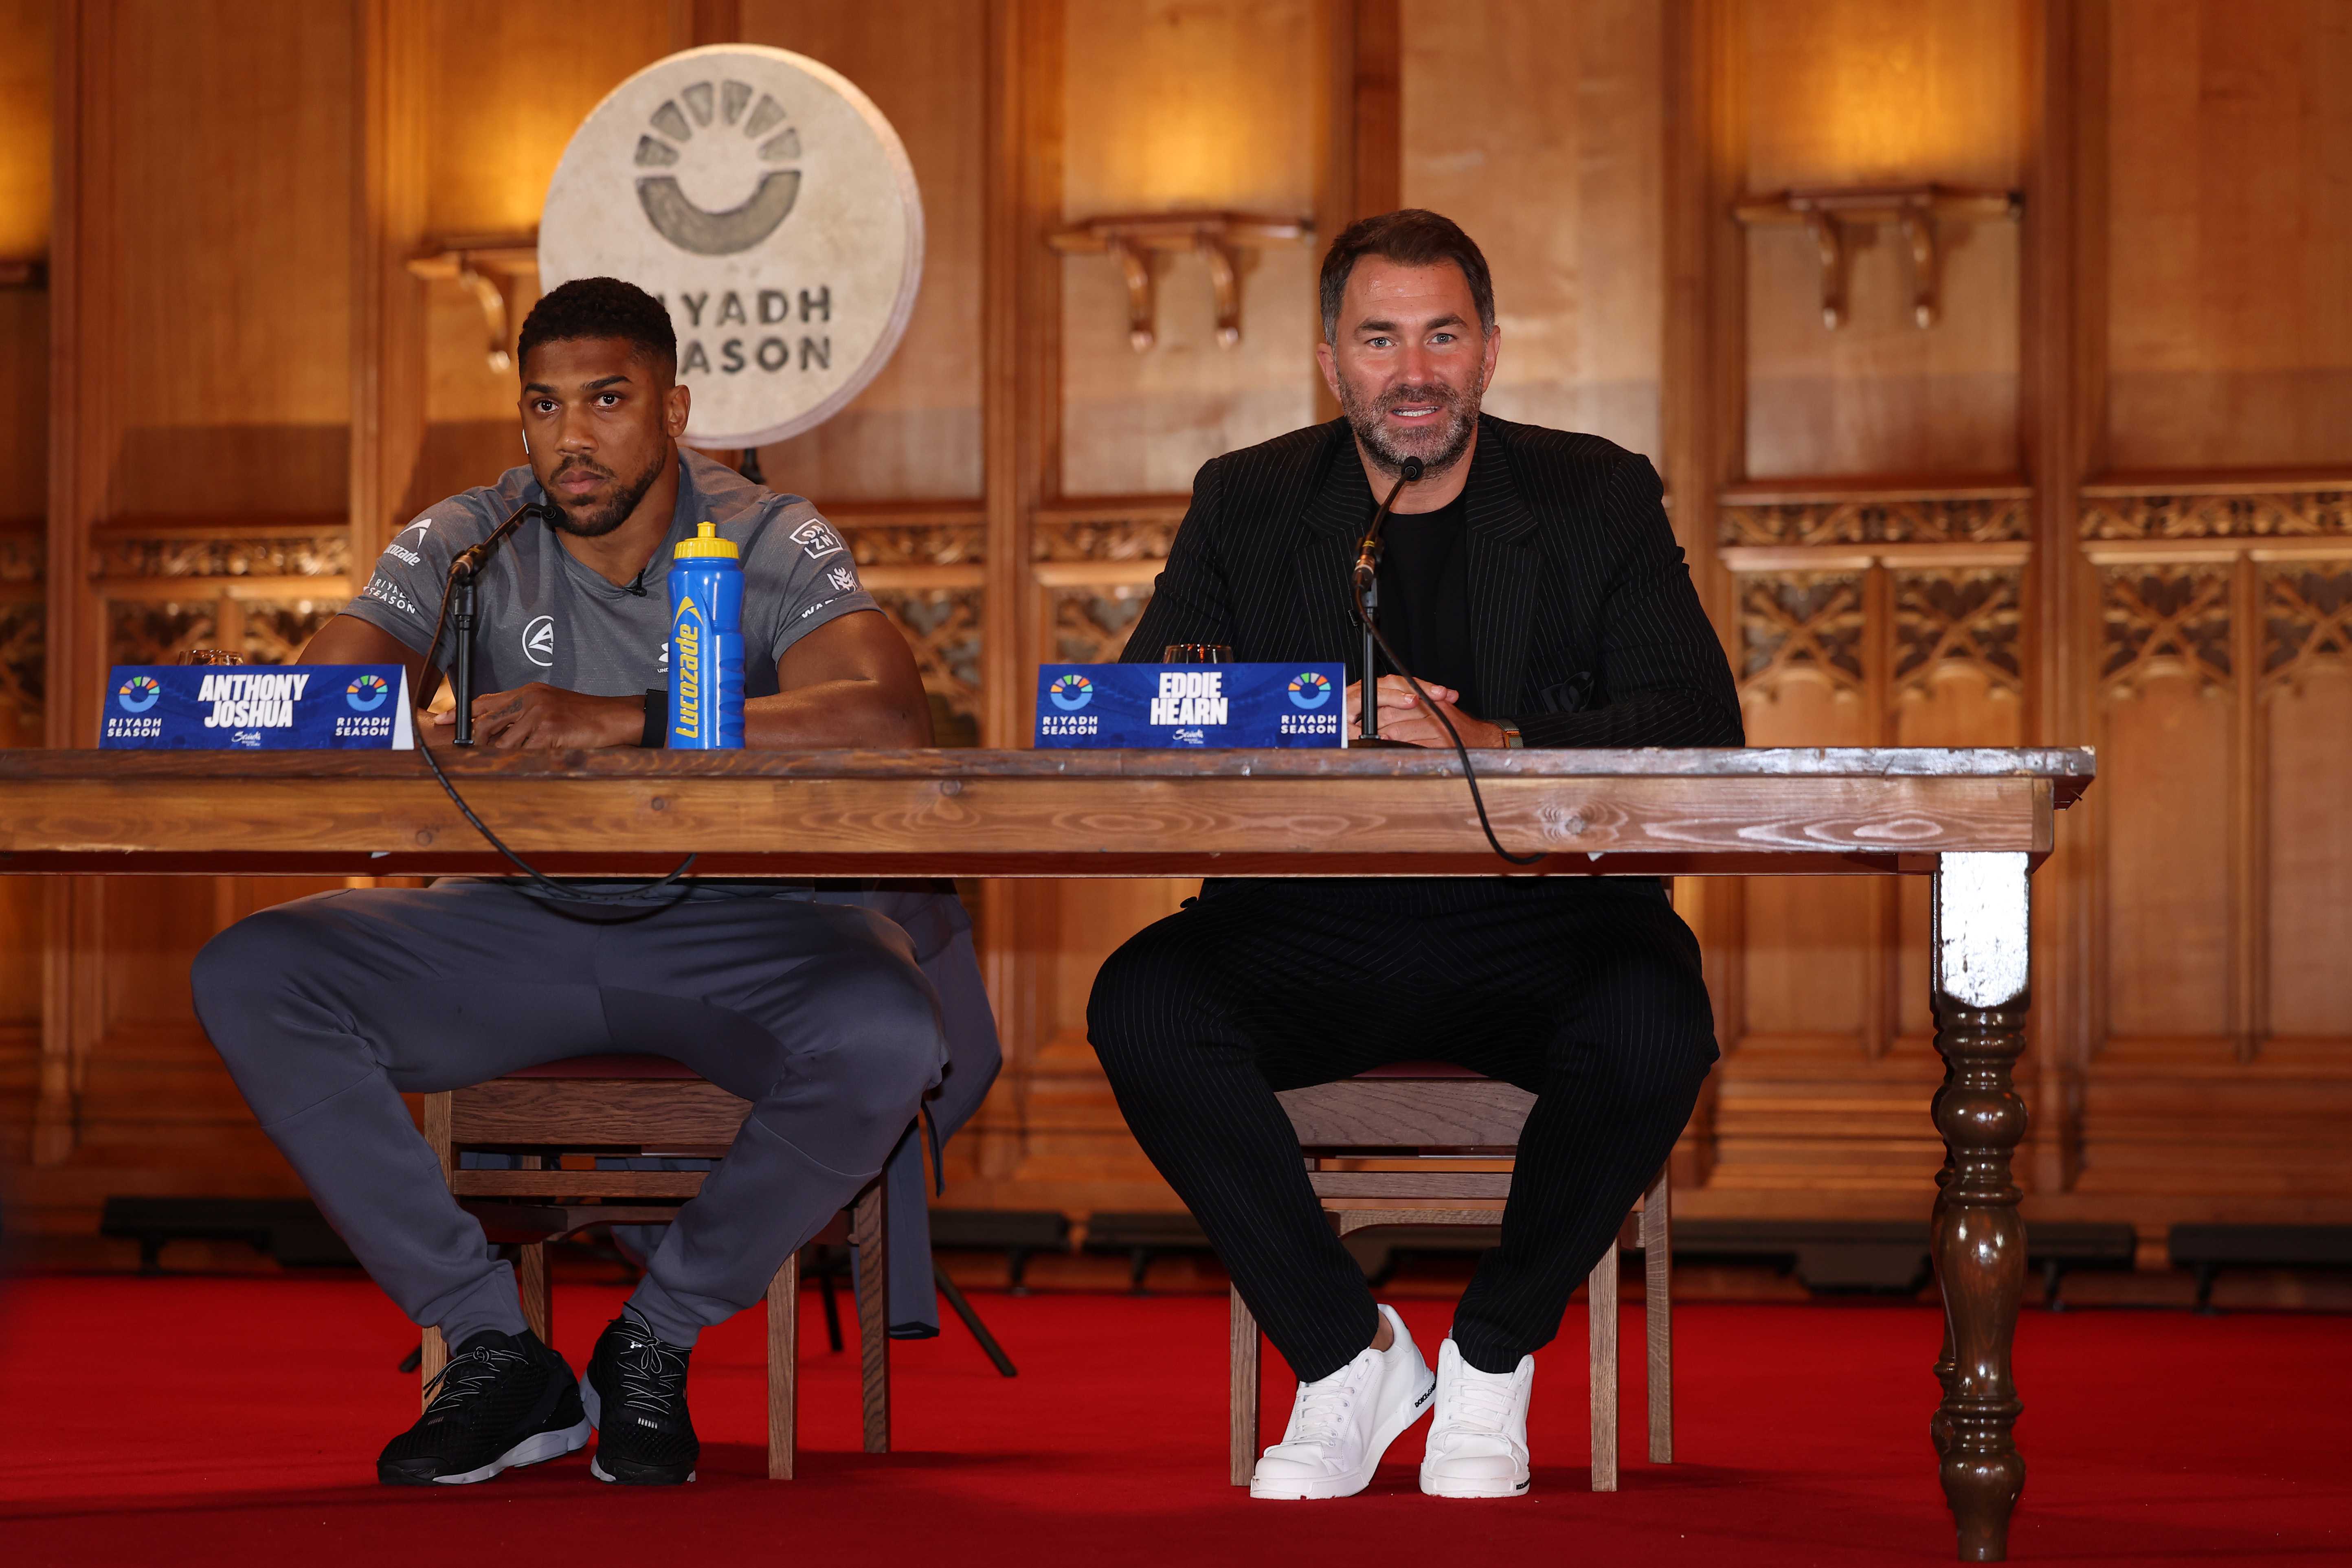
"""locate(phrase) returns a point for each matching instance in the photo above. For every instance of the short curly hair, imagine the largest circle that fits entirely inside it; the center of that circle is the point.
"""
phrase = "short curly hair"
(600, 307)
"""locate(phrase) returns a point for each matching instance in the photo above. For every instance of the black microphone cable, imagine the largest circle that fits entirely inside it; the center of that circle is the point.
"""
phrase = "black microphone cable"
(473, 561)
(1367, 565)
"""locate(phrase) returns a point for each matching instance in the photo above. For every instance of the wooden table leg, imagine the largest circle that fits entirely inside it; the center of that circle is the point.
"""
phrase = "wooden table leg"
(783, 1370)
(1981, 943)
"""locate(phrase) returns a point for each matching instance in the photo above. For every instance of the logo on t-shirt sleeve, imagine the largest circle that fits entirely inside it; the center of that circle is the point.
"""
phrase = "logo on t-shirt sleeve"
(844, 578)
(817, 538)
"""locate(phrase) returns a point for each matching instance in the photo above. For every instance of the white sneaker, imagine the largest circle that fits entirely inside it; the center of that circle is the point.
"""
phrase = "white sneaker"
(1478, 1444)
(1341, 1424)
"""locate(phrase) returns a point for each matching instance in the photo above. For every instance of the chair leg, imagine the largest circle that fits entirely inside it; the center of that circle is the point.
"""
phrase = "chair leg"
(538, 1309)
(783, 1369)
(1658, 1312)
(870, 1228)
(832, 1303)
(1602, 1310)
(1243, 1445)
(434, 1350)
(432, 1354)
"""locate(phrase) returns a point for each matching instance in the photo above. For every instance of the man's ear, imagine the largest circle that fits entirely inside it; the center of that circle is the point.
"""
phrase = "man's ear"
(677, 404)
(1330, 364)
(1494, 351)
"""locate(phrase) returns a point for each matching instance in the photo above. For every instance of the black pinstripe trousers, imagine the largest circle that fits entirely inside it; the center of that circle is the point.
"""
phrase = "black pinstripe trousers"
(1589, 994)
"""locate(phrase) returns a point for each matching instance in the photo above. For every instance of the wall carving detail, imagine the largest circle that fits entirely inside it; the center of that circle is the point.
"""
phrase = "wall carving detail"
(24, 622)
(1090, 626)
(2307, 615)
(1802, 620)
(916, 545)
(943, 626)
(2273, 514)
(1111, 539)
(324, 553)
(2160, 616)
(1924, 521)
(1968, 615)
(22, 668)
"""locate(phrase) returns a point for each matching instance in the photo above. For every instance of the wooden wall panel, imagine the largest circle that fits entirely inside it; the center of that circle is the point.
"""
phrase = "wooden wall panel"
(2228, 325)
(913, 433)
(1185, 105)
(1854, 92)
(2164, 760)
(2306, 758)
(232, 324)
(508, 82)
(1541, 131)
(26, 64)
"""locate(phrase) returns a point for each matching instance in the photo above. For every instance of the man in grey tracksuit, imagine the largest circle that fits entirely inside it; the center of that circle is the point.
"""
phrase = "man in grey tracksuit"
(835, 1012)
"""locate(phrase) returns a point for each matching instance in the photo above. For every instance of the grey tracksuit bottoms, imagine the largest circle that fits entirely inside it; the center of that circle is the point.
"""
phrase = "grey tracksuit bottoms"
(817, 1007)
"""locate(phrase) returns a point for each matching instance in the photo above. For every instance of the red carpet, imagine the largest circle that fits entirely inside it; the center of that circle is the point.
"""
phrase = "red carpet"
(217, 1421)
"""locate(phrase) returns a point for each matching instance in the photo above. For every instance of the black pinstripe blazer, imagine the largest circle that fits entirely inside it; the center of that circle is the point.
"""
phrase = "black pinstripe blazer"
(1585, 629)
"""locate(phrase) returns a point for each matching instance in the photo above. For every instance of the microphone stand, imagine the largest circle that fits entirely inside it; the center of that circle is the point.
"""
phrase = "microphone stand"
(457, 605)
(1368, 600)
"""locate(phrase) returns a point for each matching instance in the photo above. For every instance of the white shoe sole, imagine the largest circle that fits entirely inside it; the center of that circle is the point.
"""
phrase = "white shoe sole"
(535, 1450)
(1433, 1485)
(594, 1407)
(1356, 1480)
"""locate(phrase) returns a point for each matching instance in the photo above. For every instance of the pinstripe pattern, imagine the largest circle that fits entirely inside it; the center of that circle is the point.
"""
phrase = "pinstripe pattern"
(1585, 629)
(1586, 632)
(1594, 1004)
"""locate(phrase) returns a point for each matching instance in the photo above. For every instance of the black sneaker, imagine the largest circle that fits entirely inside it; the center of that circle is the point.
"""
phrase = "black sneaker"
(636, 1395)
(503, 1400)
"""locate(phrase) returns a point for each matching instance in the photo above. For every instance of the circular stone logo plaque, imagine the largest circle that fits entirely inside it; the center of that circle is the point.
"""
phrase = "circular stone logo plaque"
(772, 210)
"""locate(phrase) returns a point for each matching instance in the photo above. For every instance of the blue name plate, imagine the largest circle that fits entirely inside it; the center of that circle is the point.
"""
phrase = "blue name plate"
(1191, 705)
(257, 708)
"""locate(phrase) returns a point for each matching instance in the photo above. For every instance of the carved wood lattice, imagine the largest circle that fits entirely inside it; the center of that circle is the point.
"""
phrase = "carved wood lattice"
(1920, 521)
(1802, 620)
(2307, 615)
(2273, 514)
(943, 626)
(2160, 617)
(1968, 615)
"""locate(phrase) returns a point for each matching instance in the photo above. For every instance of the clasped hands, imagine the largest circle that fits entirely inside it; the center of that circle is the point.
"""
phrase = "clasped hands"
(542, 718)
(1403, 718)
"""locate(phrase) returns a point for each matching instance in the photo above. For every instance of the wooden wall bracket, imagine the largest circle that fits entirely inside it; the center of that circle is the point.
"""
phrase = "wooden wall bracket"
(485, 269)
(1216, 237)
(1914, 209)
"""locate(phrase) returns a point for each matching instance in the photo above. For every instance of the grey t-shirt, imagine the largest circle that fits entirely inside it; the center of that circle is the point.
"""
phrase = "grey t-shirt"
(542, 616)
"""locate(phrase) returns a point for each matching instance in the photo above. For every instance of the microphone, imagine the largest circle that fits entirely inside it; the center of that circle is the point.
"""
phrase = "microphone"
(458, 590)
(1368, 557)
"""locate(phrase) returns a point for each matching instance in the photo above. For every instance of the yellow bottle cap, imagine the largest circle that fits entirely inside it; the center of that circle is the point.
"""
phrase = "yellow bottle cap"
(705, 542)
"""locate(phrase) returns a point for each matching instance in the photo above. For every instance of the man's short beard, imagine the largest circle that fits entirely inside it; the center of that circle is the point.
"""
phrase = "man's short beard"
(611, 514)
(1453, 438)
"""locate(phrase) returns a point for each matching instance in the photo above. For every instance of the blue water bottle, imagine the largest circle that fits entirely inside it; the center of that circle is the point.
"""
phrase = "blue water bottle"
(706, 642)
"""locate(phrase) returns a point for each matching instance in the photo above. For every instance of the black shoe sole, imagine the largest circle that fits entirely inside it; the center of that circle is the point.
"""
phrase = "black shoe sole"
(628, 1472)
(535, 1450)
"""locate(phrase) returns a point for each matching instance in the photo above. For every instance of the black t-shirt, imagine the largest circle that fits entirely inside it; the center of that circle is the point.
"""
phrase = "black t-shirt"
(1424, 599)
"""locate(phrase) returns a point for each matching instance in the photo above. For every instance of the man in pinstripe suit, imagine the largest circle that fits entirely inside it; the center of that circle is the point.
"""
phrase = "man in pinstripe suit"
(1532, 583)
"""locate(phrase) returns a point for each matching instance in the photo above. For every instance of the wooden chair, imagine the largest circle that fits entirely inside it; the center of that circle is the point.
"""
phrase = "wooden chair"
(1386, 1149)
(555, 1118)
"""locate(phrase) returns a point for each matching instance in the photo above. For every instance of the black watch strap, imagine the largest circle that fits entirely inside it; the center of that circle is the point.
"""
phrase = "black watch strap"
(656, 733)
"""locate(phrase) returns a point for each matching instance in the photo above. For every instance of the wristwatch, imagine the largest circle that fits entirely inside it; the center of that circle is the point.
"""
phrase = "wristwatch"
(1511, 736)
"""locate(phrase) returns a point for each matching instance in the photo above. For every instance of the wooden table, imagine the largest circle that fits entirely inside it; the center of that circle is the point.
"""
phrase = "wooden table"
(1977, 822)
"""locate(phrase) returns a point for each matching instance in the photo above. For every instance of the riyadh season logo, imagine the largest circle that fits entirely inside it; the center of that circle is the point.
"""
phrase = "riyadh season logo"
(138, 694)
(1071, 692)
(1309, 689)
(366, 694)
(539, 641)
(763, 138)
